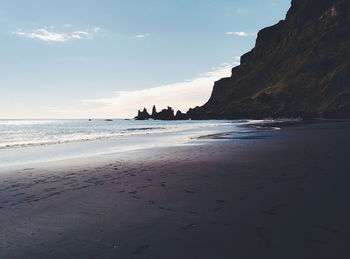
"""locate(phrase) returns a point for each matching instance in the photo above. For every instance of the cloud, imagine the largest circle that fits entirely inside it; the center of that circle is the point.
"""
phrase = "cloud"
(124, 104)
(240, 33)
(49, 35)
(44, 35)
(81, 35)
(140, 36)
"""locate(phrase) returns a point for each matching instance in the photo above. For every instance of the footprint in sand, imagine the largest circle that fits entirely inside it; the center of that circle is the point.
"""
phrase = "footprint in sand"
(316, 241)
(54, 194)
(220, 223)
(141, 249)
(82, 187)
(260, 232)
(163, 208)
(18, 194)
(274, 209)
(328, 228)
(189, 226)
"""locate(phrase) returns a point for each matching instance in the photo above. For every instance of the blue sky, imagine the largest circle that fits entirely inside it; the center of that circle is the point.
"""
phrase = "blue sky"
(107, 58)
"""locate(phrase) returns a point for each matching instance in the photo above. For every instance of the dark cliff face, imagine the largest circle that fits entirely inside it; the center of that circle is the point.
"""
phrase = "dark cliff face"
(299, 67)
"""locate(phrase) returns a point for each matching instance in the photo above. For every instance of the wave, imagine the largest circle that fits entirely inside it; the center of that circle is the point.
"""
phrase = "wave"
(137, 129)
(43, 138)
(26, 122)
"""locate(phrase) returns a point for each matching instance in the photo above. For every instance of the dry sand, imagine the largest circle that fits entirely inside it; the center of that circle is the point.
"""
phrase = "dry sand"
(284, 195)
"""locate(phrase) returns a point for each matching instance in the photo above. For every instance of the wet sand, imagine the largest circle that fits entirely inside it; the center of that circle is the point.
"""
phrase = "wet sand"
(280, 194)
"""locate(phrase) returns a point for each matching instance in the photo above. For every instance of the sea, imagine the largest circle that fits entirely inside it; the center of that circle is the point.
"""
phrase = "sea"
(25, 142)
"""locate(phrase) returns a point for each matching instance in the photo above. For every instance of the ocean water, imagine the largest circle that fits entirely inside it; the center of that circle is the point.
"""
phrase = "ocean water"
(24, 142)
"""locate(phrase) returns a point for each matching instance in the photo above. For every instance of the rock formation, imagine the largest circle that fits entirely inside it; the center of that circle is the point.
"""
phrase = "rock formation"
(299, 67)
(165, 114)
(181, 116)
(154, 112)
(143, 115)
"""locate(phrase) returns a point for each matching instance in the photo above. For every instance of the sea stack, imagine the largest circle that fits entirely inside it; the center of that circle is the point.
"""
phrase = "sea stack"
(143, 115)
(165, 114)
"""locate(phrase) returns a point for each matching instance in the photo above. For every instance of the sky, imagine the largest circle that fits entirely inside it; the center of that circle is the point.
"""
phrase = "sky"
(109, 58)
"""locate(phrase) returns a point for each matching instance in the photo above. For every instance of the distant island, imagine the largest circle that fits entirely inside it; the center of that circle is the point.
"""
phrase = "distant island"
(296, 69)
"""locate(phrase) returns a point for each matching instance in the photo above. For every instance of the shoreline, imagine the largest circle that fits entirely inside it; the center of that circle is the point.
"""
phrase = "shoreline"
(283, 196)
(18, 157)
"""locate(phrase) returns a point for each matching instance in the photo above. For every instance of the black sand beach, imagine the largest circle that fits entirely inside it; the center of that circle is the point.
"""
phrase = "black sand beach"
(284, 194)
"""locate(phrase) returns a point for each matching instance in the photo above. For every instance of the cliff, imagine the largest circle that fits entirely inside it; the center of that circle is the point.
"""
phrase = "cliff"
(299, 67)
